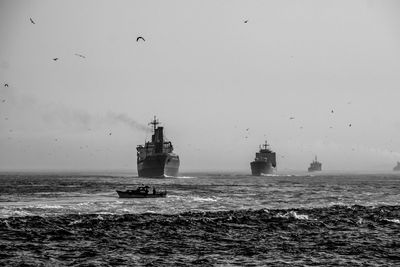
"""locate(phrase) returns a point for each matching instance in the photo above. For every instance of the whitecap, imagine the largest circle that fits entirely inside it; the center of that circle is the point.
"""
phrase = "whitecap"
(393, 220)
(293, 214)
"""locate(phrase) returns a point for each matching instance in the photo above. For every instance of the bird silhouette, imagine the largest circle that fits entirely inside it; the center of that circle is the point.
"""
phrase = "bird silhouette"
(55, 59)
(79, 55)
(32, 21)
(6, 85)
(332, 111)
(110, 134)
(291, 118)
(140, 37)
(246, 21)
(349, 124)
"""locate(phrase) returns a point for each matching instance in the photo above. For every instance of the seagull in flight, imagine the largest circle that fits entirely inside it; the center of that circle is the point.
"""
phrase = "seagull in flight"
(79, 55)
(55, 59)
(6, 85)
(32, 21)
(246, 21)
(291, 118)
(140, 37)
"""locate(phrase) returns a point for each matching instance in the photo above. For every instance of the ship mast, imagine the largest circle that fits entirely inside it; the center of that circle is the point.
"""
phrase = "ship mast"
(154, 123)
(265, 146)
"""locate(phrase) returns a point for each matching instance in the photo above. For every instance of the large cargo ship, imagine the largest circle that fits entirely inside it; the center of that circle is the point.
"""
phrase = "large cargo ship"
(265, 161)
(397, 167)
(315, 166)
(156, 158)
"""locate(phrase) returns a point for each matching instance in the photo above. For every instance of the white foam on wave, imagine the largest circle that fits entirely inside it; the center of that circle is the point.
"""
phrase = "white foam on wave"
(16, 213)
(284, 175)
(179, 177)
(293, 214)
(75, 222)
(205, 199)
(270, 175)
(47, 206)
(393, 220)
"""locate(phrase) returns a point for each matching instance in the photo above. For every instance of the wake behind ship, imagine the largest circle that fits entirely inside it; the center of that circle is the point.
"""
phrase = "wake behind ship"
(156, 158)
(265, 161)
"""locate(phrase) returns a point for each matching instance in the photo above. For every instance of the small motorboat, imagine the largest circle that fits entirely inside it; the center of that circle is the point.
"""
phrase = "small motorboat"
(141, 192)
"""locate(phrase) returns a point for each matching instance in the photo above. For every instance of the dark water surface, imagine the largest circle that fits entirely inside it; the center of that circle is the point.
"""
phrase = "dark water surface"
(206, 219)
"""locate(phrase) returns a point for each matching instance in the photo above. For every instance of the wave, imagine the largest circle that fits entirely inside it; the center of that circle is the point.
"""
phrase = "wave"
(256, 237)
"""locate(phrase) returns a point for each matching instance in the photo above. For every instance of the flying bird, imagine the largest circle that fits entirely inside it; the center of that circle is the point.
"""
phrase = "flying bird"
(332, 111)
(246, 21)
(32, 21)
(291, 118)
(140, 37)
(350, 125)
(6, 85)
(110, 134)
(79, 55)
(55, 59)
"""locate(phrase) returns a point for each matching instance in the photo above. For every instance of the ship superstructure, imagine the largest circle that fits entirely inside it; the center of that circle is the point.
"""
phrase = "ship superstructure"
(264, 162)
(156, 158)
(315, 165)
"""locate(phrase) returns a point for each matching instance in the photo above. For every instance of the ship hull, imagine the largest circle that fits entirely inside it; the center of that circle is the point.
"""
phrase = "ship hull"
(314, 169)
(261, 167)
(162, 165)
(127, 194)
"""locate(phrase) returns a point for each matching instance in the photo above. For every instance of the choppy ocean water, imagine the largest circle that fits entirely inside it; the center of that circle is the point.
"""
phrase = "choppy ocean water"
(207, 219)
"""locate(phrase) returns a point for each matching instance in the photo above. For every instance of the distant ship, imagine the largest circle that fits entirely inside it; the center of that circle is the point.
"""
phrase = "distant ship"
(397, 167)
(315, 166)
(265, 161)
(156, 158)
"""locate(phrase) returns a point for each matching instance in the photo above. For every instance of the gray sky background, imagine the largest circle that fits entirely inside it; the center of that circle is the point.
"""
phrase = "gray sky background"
(207, 75)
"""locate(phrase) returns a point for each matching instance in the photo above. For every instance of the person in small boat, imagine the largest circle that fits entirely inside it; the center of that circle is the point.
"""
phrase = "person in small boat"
(154, 190)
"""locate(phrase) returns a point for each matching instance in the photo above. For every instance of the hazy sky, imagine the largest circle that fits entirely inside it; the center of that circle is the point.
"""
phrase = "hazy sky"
(207, 75)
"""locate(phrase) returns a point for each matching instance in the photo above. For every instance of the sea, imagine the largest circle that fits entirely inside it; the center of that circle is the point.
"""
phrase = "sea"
(207, 219)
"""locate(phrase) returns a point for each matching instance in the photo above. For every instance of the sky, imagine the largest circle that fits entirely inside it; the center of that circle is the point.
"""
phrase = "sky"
(297, 74)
